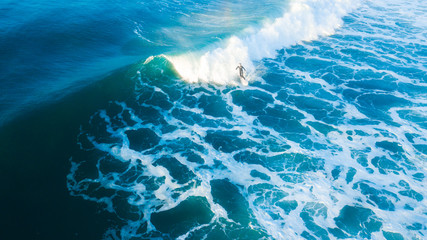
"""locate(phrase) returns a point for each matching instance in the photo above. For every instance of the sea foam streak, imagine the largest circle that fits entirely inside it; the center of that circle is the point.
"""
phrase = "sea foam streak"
(304, 20)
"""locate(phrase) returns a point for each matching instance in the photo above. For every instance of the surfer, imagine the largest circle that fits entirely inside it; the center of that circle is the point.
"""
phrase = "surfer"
(241, 68)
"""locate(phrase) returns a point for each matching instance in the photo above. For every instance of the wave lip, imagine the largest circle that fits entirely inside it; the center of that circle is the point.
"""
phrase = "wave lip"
(304, 20)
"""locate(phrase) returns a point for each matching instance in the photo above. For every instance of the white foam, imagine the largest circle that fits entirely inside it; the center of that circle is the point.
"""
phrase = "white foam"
(304, 20)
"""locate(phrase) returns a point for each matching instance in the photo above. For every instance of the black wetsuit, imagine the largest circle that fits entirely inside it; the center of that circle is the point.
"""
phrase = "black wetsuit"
(241, 68)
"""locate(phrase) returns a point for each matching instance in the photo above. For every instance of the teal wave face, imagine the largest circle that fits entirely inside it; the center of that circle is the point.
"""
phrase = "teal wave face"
(51, 49)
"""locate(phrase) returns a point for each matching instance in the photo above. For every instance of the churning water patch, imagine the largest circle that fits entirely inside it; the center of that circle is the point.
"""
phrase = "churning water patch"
(330, 144)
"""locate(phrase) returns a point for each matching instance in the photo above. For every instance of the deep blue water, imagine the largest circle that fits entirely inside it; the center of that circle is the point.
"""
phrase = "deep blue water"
(327, 139)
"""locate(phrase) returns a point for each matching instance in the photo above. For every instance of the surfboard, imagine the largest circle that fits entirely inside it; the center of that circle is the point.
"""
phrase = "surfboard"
(243, 81)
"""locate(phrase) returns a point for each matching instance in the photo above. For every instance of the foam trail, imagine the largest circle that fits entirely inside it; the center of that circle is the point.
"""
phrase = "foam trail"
(304, 20)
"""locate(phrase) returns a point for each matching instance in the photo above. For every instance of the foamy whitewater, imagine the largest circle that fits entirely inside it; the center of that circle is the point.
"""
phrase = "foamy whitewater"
(328, 140)
(304, 20)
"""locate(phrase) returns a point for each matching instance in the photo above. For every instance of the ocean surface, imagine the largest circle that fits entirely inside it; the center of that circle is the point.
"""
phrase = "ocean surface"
(128, 120)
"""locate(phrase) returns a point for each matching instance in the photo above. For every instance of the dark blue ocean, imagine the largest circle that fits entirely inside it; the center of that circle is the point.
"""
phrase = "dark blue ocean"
(128, 119)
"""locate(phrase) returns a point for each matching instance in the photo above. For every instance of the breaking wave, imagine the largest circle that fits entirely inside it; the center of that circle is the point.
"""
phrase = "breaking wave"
(302, 21)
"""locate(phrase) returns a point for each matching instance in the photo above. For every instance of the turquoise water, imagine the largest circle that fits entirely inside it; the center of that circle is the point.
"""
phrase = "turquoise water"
(326, 141)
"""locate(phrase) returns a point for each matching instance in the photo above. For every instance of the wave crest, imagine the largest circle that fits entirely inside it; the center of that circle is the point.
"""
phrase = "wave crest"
(304, 20)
